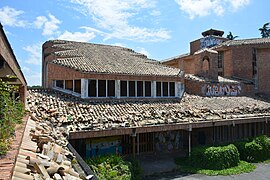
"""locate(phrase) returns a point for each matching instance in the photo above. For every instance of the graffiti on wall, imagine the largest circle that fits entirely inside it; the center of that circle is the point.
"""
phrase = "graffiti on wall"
(168, 141)
(221, 89)
(209, 41)
(102, 146)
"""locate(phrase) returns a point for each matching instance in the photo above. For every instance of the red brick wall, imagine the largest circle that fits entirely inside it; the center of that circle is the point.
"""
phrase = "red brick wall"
(242, 61)
(263, 63)
(63, 73)
(195, 46)
(228, 64)
(199, 87)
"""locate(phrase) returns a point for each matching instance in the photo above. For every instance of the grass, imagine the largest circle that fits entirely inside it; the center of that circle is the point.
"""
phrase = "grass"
(243, 167)
(266, 161)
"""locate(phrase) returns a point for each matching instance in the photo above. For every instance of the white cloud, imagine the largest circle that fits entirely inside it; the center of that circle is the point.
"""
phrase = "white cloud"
(32, 77)
(113, 17)
(34, 54)
(10, 17)
(236, 4)
(155, 13)
(119, 44)
(143, 51)
(202, 8)
(50, 25)
(78, 36)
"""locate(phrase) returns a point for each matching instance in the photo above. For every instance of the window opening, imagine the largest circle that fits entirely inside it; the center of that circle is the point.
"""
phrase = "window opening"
(92, 88)
(111, 88)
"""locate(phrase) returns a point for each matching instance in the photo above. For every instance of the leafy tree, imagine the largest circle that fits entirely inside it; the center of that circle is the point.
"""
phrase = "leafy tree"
(265, 31)
(231, 37)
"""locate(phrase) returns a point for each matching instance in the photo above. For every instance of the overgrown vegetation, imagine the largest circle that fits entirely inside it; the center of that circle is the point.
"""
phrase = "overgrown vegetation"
(254, 150)
(11, 113)
(215, 158)
(228, 159)
(114, 167)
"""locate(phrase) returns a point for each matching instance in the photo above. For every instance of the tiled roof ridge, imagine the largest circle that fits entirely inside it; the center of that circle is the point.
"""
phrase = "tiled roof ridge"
(100, 58)
(237, 42)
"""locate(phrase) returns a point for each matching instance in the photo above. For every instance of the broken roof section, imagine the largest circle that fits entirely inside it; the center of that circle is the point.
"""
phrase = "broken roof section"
(75, 115)
(98, 58)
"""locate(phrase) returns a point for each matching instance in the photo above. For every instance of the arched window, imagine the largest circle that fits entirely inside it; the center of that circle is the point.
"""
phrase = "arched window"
(206, 64)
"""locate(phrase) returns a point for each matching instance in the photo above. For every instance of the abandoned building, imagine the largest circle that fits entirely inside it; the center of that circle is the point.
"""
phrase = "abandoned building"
(95, 71)
(10, 70)
(217, 66)
(111, 99)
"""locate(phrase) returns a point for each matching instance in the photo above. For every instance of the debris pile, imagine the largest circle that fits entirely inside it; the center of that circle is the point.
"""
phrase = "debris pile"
(43, 154)
(69, 113)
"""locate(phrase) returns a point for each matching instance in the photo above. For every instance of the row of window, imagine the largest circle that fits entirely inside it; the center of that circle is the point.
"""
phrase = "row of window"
(107, 88)
(71, 85)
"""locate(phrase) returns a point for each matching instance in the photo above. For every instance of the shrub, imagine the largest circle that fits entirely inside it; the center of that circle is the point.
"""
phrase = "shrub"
(3, 148)
(135, 169)
(241, 149)
(264, 141)
(110, 167)
(254, 150)
(215, 158)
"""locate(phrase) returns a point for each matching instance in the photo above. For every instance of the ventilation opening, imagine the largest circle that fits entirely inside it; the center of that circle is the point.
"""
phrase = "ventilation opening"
(158, 89)
(111, 88)
(139, 88)
(77, 87)
(147, 88)
(165, 88)
(59, 83)
(101, 88)
(123, 88)
(172, 89)
(131, 85)
(69, 85)
(92, 88)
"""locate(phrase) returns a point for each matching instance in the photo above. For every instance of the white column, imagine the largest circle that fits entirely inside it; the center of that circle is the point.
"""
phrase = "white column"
(143, 88)
(180, 89)
(127, 88)
(84, 88)
(117, 88)
(154, 89)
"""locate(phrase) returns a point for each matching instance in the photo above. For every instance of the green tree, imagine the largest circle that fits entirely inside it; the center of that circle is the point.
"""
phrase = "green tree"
(231, 37)
(265, 31)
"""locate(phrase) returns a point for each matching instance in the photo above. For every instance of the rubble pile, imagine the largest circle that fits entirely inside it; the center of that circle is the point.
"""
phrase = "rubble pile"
(69, 113)
(43, 154)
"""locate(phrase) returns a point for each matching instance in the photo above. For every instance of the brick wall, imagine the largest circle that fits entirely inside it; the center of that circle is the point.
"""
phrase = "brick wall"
(263, 59)
(64, 73)
(200, 87)
(242, 61)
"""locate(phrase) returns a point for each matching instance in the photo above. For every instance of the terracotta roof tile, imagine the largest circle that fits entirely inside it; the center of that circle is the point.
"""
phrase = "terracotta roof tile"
(88, 57)
(77, 115)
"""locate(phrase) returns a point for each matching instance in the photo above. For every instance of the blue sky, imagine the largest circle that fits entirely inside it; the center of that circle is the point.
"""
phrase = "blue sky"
(158, 28)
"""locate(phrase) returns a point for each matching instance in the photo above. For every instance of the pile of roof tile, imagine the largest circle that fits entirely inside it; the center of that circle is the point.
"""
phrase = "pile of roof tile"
(43, 154)
(69, 113)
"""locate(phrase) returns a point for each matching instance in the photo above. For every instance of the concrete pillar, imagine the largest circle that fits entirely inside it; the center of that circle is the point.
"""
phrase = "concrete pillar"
(138, 144)
(117, 88)
(189, 139)
(133, 145)
(84, 88)
(154, 87)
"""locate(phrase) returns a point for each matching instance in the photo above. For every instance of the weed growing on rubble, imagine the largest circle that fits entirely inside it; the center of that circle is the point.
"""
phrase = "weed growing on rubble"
(11, 113)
